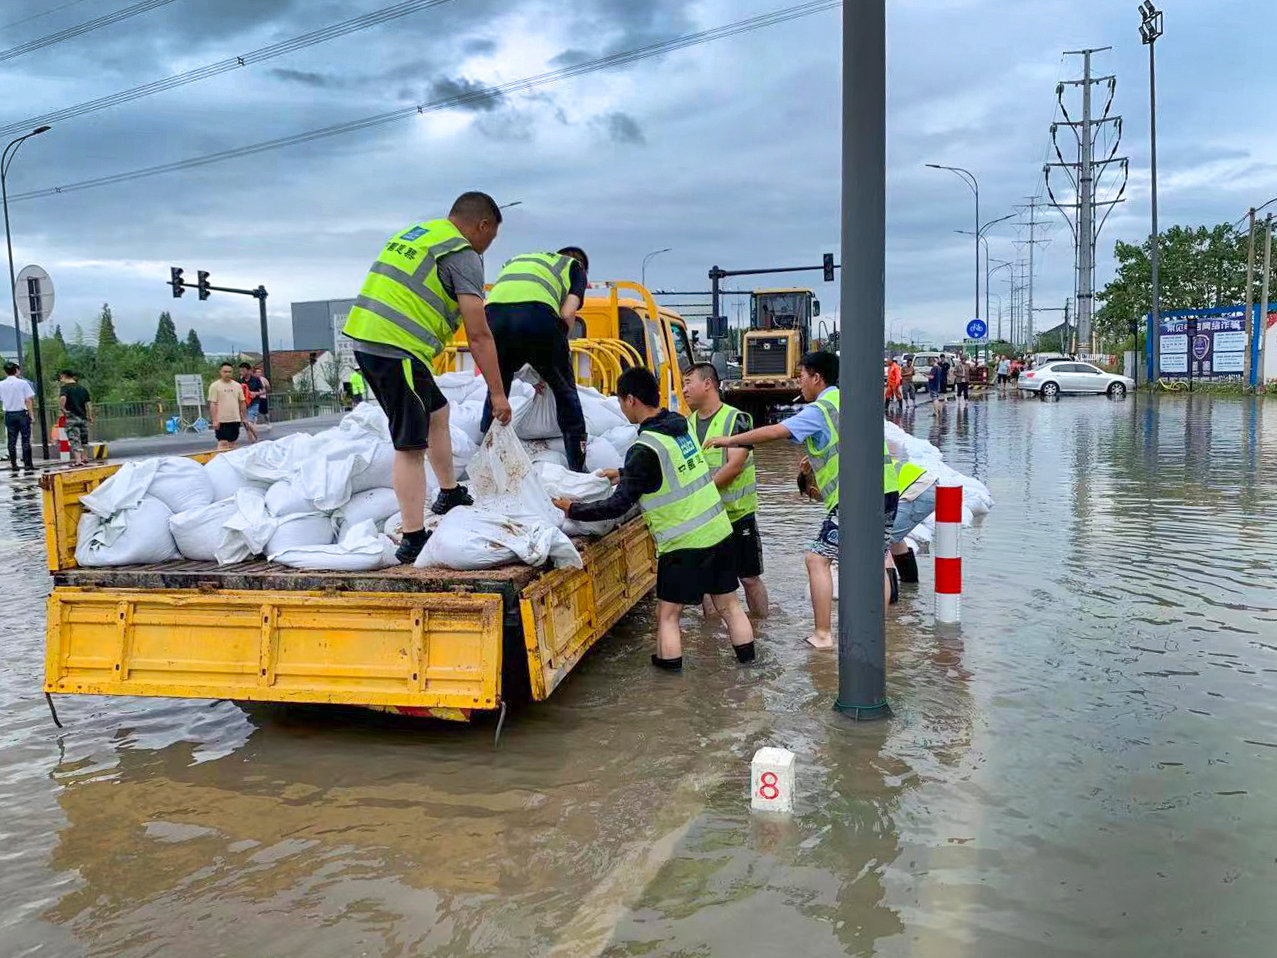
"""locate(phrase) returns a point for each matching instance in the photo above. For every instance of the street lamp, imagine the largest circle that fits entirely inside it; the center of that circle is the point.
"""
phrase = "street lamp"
(1002, 264)
(985, 240)
(506, 206)
(1150, 30)
(970, 179)
(655, 252)
(5, 159)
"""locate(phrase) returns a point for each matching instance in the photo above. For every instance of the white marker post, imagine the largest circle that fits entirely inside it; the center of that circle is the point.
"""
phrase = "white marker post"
(771, 780)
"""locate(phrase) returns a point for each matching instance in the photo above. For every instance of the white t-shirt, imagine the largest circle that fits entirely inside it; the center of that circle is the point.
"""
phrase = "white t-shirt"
(14, 393)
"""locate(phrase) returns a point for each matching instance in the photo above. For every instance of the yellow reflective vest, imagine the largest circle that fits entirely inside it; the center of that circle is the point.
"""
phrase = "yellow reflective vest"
(534, 278)
(686, 511)
(740, 498)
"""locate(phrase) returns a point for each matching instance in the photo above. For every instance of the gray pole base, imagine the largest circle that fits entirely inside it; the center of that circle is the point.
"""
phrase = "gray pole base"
(864, 713)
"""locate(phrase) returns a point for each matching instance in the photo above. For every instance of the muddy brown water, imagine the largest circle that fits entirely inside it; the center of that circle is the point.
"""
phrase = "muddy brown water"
(1086, 768)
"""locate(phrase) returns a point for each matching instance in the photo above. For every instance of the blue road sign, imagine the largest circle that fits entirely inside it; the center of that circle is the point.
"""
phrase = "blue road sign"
(976, 329)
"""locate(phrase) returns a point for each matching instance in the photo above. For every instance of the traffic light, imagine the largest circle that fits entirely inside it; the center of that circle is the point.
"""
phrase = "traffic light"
(175, 280)
(829, 267)
(202, 275)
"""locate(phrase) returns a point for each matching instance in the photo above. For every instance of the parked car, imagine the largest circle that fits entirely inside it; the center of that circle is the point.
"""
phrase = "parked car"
(1068, 376)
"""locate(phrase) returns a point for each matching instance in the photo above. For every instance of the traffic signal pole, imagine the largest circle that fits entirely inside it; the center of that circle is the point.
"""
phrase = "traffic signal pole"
(180, 286)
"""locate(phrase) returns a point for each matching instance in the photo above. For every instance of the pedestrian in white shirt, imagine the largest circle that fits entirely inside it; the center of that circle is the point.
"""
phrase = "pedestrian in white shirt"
(18, 399)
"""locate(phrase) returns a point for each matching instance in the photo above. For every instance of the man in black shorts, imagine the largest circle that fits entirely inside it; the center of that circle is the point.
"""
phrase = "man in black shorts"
(426, 282)
(666, 475)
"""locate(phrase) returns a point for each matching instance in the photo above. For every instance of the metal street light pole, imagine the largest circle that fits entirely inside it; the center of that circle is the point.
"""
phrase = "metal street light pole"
(5, 159)
(970, 179)
(655, 252)
(862, 645)
(1002, 264)
(985, 240)
(1150, 30)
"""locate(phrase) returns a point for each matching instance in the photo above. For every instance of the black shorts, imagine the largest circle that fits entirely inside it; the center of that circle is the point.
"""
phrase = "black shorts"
(747, 547)
(962, 390)
(686, 576)
(1003, 377)
(227, 432)
(408, 394)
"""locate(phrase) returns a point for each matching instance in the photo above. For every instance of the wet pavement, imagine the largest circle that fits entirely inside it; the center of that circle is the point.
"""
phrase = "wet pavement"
(1086, 768)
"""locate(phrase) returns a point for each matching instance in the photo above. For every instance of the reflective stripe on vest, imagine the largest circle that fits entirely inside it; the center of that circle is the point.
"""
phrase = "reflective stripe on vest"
(534, 278)
(402, 302)
(685, 512)
(741, 495)
(824, 459)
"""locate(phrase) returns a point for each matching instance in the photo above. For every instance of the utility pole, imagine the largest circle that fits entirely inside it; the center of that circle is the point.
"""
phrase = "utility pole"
(1084, 175)
(1032, 206)
(1264, 290)
(1150, 31)
(1249, 375)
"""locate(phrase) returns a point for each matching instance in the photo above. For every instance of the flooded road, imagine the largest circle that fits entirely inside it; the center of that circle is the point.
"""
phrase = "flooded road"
(1087, 768)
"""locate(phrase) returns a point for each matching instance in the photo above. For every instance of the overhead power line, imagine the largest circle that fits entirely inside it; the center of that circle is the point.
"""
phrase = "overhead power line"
(80, 29)
(331, 32)
(478, 95)
(37, 16)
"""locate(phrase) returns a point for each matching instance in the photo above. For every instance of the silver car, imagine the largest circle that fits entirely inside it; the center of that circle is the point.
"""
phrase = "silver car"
(1070, 376)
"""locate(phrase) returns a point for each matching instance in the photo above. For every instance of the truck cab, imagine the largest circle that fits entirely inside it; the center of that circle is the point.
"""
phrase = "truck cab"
(779, 335)
(620, 325)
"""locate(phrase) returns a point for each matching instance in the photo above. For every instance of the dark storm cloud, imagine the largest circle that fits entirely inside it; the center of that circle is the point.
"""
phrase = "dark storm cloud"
(483, 99)
(308, 78)
(570, 58)
(622, 128)
(479, 46)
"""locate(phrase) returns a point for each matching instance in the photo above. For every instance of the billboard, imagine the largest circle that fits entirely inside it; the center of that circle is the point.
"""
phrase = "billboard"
(1204, 343)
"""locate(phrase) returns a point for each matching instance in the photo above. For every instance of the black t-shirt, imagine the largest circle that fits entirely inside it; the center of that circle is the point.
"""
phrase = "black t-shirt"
(77, 398)
(577, 280)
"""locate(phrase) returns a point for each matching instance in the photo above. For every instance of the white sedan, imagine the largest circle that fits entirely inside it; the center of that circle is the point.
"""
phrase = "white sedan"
(1069, 376)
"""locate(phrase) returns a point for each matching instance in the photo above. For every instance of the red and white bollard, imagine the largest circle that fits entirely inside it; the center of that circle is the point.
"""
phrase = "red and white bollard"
(60, 434)
(948, 557)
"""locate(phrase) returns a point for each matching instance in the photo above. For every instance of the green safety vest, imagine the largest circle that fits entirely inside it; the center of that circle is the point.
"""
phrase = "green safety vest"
(403, 302)
(824, 459)
(534, 278)
(357, 386)
(686, 511)
(740, 498)
(909, 473)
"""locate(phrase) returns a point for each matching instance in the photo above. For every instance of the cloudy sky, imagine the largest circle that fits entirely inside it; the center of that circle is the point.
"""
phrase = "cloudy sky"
(728, 151)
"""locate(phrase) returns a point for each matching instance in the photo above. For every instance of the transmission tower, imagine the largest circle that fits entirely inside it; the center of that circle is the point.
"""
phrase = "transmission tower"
(1032, 224)
(1085, 176)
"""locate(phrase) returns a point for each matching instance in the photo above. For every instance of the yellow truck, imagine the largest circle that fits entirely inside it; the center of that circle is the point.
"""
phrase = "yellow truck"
(427, 642)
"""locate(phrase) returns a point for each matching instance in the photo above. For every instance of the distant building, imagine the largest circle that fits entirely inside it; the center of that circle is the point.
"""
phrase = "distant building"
(317, 326)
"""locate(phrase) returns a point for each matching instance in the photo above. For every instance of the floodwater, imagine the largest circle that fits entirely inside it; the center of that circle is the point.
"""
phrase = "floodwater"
(1087, 768)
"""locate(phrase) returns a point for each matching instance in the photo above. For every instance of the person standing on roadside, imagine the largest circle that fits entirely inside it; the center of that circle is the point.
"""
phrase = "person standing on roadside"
(263, 400)
(253, 384)
(226, 406)
(77, 410)
(933, 380)
(908, 395)
(666, 475)
(358, 388)
(531, 309)
(18, 399)
(425, 283)
(734, 475)
(1004, 374)
(894, 378)
(961, 380)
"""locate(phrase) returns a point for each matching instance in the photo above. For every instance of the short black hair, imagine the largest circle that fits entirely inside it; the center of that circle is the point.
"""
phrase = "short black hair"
(70, 374)
(707, 371)
(245, 366)
(474, 206)
(639, 382)
(227, 363)
(577, 254)
(822, 364)
(10, 369)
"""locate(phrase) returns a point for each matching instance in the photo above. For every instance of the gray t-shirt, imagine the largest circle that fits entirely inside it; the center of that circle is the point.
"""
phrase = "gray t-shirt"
(460, 274)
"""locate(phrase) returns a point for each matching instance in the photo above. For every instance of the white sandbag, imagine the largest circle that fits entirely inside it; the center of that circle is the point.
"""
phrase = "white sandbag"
(198, 532)
(602, 413)
(580, 487)
(283, 499)
(541, 419)
(468, 539)
(504, 482)
(248, 529)
(123, 489)
(376, 474)
(274, 459)
(621, 438)
(467, 417)
(360, 549)
(300, 530)
(328, 476)
(181, 484)
(373, 505)
(463, 449)
(224, 475)
(133, 536)
(546, 450)
(601, 454)
(369, 418)
(460, 386)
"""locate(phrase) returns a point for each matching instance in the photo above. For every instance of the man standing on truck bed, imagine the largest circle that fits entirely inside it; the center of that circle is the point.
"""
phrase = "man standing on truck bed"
(531, 309)
(666, 474)
(427, 281)
(735, 477)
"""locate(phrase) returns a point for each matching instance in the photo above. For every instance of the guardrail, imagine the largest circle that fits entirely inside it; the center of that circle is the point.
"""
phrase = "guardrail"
(127, 420)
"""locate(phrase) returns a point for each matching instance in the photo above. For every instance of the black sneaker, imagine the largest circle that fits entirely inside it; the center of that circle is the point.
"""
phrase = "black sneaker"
(449, 499)
(409, 549)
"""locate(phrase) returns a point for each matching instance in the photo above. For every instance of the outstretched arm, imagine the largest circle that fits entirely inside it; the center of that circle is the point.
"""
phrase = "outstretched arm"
(755, 437)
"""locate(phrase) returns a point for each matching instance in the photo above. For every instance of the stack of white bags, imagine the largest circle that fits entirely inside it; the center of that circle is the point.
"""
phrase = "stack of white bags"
(976, 498)
(324, 501)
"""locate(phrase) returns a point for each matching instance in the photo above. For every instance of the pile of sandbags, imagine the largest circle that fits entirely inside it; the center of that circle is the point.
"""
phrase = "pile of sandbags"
(976, 498)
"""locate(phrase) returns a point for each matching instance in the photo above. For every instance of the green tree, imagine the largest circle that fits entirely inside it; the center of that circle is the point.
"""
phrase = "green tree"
(57, 337)
(166, 332)
(193, 347)
(106, 329)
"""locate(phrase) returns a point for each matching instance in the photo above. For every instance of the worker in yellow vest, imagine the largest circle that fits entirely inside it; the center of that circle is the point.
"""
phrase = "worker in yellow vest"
(917, 501)
(666, 476)
(426, 282)
(531, 309)
(816, 427)
(358, 388)
(734, 475)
